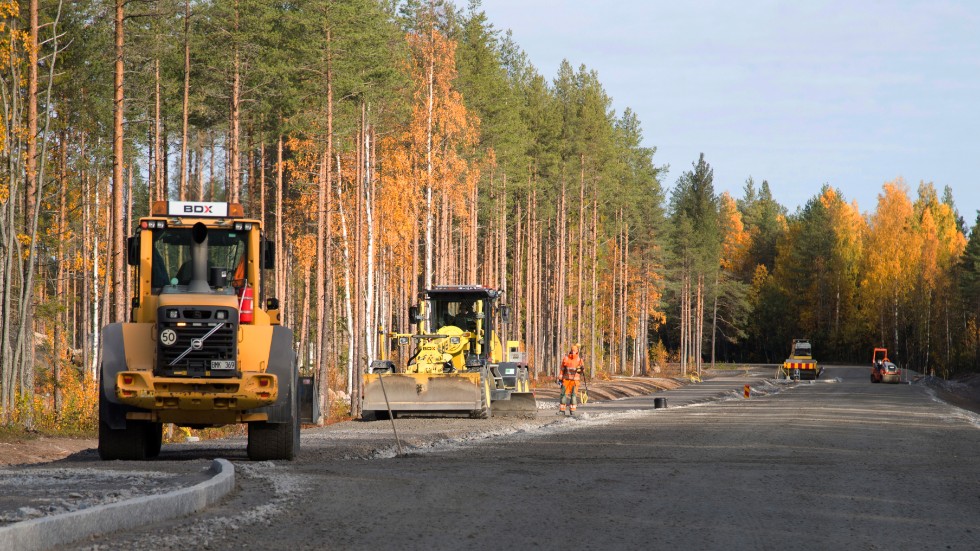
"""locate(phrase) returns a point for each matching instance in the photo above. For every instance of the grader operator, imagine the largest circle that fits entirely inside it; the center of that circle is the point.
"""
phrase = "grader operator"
(456, 363)
(197, 352)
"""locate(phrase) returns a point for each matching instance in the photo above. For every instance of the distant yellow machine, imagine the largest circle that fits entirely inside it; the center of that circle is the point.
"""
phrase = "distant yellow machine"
(456, 364)
(800, 364)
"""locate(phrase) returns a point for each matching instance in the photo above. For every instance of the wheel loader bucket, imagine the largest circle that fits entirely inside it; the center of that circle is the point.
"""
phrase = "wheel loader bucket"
(519, 404)
(421, 392)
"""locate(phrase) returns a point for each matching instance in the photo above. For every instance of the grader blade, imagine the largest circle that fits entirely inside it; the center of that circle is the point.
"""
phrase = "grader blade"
(520, 405)
(421, 392)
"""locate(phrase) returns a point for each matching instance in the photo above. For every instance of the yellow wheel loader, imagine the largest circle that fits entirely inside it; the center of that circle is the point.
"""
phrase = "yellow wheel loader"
(456, 364)
(197, 352)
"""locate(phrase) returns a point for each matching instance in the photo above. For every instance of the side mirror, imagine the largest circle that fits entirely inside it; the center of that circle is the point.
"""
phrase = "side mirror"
(413, 315)
(133, 250)
(271, 304)
(268, 255)
(505, 314)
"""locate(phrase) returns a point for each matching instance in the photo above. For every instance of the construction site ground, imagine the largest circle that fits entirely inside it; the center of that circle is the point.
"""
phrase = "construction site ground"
(683, 456)
(21, 448)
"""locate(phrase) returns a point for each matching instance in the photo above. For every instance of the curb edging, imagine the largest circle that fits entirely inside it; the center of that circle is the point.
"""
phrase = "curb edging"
(55, 530)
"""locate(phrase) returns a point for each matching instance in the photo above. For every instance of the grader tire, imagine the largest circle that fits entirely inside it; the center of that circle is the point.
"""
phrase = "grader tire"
(485, 411)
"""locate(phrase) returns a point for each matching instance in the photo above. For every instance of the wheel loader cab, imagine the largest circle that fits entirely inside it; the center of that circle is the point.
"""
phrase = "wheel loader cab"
(172, 259)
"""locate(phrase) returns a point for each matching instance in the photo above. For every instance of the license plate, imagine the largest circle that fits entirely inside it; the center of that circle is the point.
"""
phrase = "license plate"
(223, 364)
(509, 371)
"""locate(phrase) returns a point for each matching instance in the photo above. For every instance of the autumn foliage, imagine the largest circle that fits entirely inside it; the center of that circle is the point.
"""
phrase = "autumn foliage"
(385, 151)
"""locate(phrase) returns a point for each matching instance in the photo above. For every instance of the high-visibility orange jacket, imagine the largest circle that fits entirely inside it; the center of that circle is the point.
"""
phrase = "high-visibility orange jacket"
(571, 367)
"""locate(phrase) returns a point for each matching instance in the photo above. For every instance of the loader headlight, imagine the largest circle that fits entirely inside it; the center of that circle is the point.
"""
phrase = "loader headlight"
(221, 314)
(453, 340)
(403, 340)
(172, 314)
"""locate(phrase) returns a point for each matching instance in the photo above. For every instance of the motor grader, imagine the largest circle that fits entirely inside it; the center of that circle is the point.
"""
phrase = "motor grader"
(197, 352)
(455, 365)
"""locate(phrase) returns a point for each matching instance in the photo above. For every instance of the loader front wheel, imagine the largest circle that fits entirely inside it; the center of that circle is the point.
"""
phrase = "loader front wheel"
(129, 443)
(154, 439)
(126, 444)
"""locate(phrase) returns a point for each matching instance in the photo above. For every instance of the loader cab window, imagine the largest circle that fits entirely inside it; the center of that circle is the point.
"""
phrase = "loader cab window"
(172, 266)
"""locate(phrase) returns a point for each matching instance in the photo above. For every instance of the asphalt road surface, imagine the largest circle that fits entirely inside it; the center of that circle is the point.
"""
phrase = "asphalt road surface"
(839, 463)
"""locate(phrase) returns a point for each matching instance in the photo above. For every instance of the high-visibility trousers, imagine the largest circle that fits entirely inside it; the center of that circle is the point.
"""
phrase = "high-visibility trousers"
(569, 394)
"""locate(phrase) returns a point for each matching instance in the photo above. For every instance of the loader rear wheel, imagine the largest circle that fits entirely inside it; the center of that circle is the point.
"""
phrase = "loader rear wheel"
(272, 441)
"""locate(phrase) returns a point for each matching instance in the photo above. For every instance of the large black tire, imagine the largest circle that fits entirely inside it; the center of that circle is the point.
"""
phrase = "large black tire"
(154, 439)
(375, 415)
(128, 443)
(275, 441)
(485, 411)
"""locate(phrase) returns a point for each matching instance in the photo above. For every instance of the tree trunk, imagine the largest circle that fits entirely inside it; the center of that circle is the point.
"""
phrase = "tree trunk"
(714, 321)
(320, 258)
(304, 330)
(157, 182)
(595, 279)
(324, 249)
(233, 138)
(182, 190)
(32, 52)
(119, 266)
(429, 215)
(581, 248)
(262, 180)
(370, 328)
(59, 346)
(348, 299)
(280, 264)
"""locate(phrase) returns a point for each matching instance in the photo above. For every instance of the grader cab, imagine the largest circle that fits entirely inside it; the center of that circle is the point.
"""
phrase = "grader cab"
(455, 361)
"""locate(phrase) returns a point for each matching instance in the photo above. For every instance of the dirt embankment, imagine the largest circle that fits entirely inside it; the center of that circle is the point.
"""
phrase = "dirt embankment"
(31, 448)
(612, 389)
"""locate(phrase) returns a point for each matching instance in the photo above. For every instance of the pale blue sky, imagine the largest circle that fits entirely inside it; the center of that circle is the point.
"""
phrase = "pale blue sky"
(853, 94)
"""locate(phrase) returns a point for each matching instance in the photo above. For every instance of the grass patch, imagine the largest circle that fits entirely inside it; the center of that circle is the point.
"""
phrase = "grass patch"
(13, 433)
(728, 367)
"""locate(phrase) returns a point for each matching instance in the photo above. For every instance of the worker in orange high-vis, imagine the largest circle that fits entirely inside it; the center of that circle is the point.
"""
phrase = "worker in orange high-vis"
(569, 377)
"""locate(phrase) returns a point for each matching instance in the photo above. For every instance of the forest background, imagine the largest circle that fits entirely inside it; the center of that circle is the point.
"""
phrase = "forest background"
(391, 145)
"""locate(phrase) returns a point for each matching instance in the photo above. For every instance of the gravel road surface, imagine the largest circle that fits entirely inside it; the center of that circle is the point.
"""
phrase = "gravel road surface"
(836, 463)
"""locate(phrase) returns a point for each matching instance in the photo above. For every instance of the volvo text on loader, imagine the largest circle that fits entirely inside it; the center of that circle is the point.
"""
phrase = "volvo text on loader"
(456, 363)
(197, 352)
